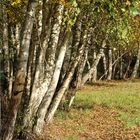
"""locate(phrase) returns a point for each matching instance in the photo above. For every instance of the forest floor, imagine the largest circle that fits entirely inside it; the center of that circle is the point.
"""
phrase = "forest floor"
(102, 111)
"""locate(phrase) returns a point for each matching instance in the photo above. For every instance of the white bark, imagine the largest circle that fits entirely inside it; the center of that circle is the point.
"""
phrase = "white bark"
(39, 90)
(49, 95)
(105, 65)
(21, 72)
(81, 67)
(67, 80)
(136, 67)
(60, 94)
(17, 37)
(121, 68)
(5, 46)
(93, 68)
(110, 65)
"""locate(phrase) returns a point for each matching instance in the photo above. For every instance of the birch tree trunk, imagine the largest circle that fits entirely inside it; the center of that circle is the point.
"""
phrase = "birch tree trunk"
(114, 71)
(75, 42)
(136, 67)
(121, 68)
(50, 93)
(55, 103)
(39, 90)
(17, 37)
(105, 65)
(93, 68)
(28, 84)
(78, 79)
(126, 74)
(5, 46)
(81, 68)
(93, 76)
(110, 65)
(21, 71)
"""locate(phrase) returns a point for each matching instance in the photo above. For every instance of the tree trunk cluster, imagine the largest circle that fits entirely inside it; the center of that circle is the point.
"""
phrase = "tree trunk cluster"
(54, 50)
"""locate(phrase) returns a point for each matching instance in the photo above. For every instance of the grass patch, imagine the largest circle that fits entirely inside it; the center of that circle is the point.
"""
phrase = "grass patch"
(71, 137)
(122, 96)
(130, 119)
(97, 111)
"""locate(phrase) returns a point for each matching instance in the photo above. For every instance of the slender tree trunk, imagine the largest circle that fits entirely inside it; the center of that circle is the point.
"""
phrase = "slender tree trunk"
(93, 69)
(21, 72)
(78, 79)
(16, 44)
(114, 71)
(126, 74)
(136, 67)
(114, 64)
(49, 95)
(81, 68)
(105, 65)
(28, 85)
(67, 80)
(121, 68)
(110, 65)
(17, 37)
(76, 37)
(5, 46)
(38, 90)
(93, 76)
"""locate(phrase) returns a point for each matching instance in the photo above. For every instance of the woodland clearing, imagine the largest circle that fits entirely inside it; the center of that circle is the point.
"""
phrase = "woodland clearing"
(102, 111)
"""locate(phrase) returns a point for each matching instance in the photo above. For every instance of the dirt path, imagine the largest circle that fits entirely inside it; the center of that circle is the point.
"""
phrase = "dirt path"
(99, 123)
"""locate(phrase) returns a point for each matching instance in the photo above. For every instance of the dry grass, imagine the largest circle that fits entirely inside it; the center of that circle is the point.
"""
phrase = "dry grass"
(103, 111)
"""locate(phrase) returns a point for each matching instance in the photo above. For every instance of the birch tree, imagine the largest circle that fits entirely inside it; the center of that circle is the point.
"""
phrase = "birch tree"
(21, 71)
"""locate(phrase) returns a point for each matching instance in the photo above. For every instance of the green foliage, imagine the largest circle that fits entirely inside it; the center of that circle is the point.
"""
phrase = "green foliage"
(72, 11)
(135, 8)
(15, 9)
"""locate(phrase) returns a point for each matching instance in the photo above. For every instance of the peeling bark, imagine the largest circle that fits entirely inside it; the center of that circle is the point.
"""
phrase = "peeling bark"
(39, 91)
(50, 93)
(67, 80)
(21, 72)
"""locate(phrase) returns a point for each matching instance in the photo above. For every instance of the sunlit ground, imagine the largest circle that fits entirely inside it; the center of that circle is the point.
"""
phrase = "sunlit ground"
(102, 111)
